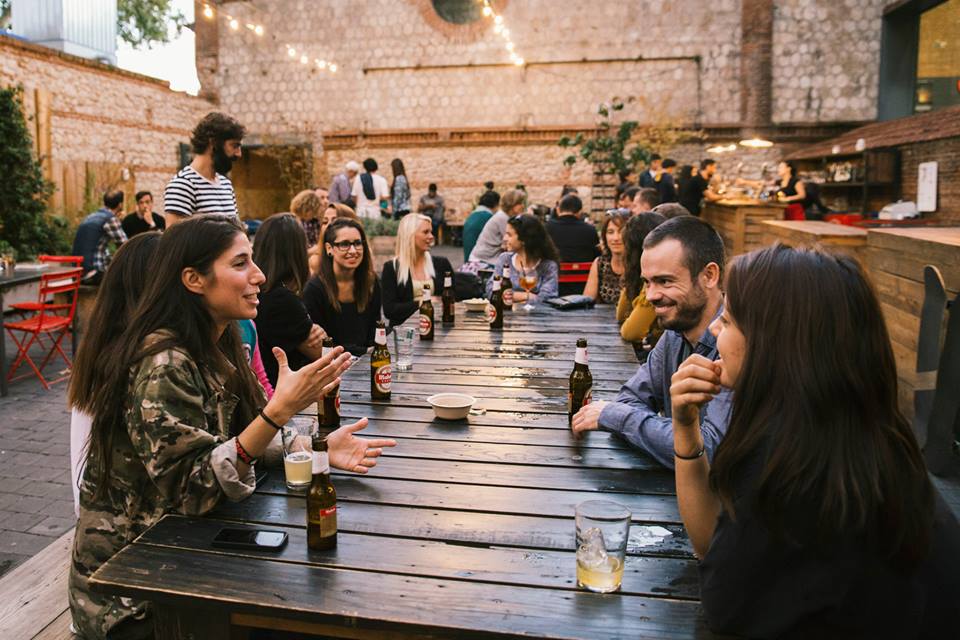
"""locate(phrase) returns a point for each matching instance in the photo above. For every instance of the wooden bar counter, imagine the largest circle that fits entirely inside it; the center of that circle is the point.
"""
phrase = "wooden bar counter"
(837, 237)
(895, 259)
(739, 222)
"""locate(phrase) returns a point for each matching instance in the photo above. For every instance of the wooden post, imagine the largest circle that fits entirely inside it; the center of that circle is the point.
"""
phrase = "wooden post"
(43, 132)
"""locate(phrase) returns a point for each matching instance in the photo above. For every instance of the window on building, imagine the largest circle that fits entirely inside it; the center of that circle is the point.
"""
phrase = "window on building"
(938, 58)
(458, 11)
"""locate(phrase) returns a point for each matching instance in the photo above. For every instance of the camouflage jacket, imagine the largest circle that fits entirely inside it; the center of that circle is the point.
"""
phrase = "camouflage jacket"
(175, 456)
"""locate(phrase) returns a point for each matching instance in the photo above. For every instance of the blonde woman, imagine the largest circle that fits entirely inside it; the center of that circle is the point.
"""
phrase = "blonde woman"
(307, 206)
(404, 276)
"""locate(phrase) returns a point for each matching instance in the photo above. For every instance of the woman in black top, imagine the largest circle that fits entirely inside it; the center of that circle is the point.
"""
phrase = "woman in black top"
(280, 250)
(816, 518)
(404, 276)
(344, 298)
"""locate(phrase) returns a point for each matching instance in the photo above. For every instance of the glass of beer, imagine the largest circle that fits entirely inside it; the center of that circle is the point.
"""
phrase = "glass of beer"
(297, 453)
(603, 528)
(528, 281)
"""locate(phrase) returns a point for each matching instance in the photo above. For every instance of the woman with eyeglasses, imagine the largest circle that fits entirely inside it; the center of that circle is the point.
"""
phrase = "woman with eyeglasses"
(606, 273)
(315, 253)
(280, 251)
(344, 298)
(531, 255)
(404, 276)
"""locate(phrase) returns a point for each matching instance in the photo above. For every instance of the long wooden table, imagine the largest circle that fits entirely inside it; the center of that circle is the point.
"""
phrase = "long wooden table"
(464, 530)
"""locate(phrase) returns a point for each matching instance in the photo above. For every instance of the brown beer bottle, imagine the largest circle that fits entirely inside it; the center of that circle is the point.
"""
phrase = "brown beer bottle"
(449, 299)
(581, 382)
(494, 309)
(426, 314)
(328, 411)
(321, 499)
(381, 374)
(506, 283)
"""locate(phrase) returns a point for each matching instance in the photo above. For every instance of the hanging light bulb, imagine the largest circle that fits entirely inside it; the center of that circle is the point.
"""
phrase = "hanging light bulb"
(234, 24)
(258, 29)
(498, 19)
(497, 28)
(519, 62)
(487, 11)
(291, 52)
(509, 46)
(505, 33)
(321, 64)
(207, 12)
(304, 59)
(333, 67)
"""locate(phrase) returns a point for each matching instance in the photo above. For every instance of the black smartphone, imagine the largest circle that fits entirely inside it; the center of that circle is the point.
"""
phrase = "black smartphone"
(257, 539)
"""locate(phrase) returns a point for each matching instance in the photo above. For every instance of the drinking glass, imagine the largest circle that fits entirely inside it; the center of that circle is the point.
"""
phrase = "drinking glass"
(297, 454)
(528, 280)
(403, 341)
(602, 531)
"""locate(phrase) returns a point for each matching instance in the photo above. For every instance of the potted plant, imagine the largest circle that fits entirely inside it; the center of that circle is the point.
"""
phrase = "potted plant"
(382, 236)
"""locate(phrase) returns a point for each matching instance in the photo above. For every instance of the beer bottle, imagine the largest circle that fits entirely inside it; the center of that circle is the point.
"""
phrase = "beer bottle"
(321, 499)
(426, 314)
(494, 310)
(328, 409)
(581, 382)
(506, 283)
(381, 375)
(449, 299)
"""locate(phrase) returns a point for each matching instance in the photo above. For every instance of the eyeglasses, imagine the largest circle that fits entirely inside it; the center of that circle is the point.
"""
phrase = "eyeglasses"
(345, 245)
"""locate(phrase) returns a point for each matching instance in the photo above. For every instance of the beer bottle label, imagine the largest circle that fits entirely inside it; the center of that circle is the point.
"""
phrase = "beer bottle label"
(491, 312)
(321, 462)
(383, 378)
(587, 399)
(588, 396)
(496, 285)
(425, 323)
(381, 337)
(328, 521)
(447, 282)
(581, 356)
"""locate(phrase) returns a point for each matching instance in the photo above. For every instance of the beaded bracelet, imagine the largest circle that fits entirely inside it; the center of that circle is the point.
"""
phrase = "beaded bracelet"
(269, 420)
(243, 455)
(698, 454)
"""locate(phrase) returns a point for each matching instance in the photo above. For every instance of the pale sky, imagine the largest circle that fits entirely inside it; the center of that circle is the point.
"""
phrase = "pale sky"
(174, 62)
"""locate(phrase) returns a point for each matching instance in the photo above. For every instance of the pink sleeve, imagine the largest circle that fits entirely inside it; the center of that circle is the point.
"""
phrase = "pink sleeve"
(256, 363)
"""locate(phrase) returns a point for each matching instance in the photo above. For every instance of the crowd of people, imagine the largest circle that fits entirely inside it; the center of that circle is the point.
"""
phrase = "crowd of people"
(800, 484)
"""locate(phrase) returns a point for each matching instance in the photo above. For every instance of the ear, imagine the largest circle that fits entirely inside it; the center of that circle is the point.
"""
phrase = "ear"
(193, 280)
(710, 276)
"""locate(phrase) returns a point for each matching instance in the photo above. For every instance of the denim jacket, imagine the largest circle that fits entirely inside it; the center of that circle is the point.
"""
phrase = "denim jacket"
(642, 412)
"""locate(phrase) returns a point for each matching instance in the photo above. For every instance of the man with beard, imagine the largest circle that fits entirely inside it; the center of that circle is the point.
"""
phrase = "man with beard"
(202, 186)
(682, 265)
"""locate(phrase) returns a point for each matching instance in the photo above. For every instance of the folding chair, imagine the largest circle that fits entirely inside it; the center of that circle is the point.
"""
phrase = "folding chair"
(573, 277)
(47, 322)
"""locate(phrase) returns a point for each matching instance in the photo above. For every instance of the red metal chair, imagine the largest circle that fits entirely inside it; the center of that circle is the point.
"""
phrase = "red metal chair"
(47, 322)
(573, 276)
(25, 307)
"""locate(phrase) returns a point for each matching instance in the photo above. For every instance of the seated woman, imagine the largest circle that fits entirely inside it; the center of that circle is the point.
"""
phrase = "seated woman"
(306, 206)
(489, 243)
(637, 317)
(179, 418)
(280, 250)
(344, 298)
(529, 250)
(404, 276)
(817, 518)
(606, 273)
(334, 210)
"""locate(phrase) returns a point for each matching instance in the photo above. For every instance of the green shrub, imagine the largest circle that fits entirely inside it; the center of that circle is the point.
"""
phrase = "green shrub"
(380, 226)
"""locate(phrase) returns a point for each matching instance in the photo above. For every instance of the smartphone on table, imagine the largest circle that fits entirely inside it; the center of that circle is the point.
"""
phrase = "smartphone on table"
(251, 539)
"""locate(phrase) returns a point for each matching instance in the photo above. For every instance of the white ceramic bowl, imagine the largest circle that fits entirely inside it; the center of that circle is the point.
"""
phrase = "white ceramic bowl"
(451, 406)
(476, 304)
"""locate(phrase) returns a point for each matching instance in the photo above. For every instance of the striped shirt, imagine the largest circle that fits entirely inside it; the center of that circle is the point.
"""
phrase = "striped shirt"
(189, 193)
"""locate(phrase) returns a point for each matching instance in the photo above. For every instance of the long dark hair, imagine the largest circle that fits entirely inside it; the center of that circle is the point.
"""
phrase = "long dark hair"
(364, 276)
(396, 165)
(536, 243)
(166, 305)
(119, 294)
(816, 399)
(280, 250)
(633, 236)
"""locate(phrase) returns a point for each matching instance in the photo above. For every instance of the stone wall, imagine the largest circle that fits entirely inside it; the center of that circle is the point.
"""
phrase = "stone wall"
(94, 120)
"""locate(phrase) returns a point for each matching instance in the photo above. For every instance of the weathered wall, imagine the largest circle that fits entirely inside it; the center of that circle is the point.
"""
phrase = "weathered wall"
(92, 121)
(947, 154)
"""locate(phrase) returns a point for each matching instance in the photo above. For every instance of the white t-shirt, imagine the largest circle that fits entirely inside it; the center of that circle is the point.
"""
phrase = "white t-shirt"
(370, 208)
(80, 425)
(190, 193)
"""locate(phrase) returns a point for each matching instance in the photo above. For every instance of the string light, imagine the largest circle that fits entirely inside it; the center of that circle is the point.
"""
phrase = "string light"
(500, 28)
(207, 12)
(234, 24)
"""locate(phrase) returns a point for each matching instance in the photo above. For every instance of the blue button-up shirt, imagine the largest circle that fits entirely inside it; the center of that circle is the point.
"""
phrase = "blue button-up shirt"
(642, 412)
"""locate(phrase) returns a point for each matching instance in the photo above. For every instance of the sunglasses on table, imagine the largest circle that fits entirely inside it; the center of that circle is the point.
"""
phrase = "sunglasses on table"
(345, 245)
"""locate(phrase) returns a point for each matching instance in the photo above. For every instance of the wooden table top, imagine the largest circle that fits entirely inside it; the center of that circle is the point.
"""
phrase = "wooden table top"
(466, 528)
(819, 228)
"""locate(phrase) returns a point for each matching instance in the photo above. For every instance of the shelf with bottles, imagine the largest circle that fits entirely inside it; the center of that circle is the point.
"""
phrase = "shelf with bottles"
(863, 180)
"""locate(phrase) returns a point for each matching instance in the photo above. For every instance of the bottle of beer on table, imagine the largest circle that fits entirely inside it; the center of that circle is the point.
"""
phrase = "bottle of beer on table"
(494, 310)
(506, 284)
(381, 375)
(321, 499)
(581, 382)
(426, 314)
(449, 299)
(328, 409)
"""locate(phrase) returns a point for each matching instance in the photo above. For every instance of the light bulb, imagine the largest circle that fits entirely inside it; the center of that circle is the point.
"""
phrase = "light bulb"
(304, 59)
(322, 64)
(498, 19)
(333, 67)
(291, 52)
(519, 62)
(487, 11)
(207, 12)
(497, 28)
(505, 33)
(509, 46)
(234, 24)
(258, 30)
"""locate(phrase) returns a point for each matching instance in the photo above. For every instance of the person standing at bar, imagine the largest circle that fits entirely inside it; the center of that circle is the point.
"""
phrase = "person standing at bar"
(697, 188)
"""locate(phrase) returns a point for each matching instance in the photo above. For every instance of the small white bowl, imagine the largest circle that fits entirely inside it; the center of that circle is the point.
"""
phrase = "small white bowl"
(475, 304)
(451, 406)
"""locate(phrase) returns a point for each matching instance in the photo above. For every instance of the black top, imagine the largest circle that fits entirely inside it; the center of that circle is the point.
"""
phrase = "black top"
(350, 328)
(398, 302)
(282, 321)
(133, 224)
(692, 193)
(576, 240)
(758, 586)
(667, 188)
(790, 189)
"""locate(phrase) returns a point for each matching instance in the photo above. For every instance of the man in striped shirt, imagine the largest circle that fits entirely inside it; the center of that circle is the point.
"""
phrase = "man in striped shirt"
(202, 186)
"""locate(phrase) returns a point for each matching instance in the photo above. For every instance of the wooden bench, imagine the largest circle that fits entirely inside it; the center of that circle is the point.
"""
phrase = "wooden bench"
(33, 597)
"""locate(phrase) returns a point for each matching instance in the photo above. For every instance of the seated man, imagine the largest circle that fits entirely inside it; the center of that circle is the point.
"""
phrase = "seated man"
(682, 266)
(575, 239)
(95, 233)
(475, 222)
(645, 200)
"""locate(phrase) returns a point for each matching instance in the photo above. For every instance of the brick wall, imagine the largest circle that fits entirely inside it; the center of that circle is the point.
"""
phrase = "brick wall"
(947, 153)
(97, 120)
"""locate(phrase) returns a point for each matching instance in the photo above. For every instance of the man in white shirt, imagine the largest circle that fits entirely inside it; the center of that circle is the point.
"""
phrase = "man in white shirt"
(202, 186)
(369, 190)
